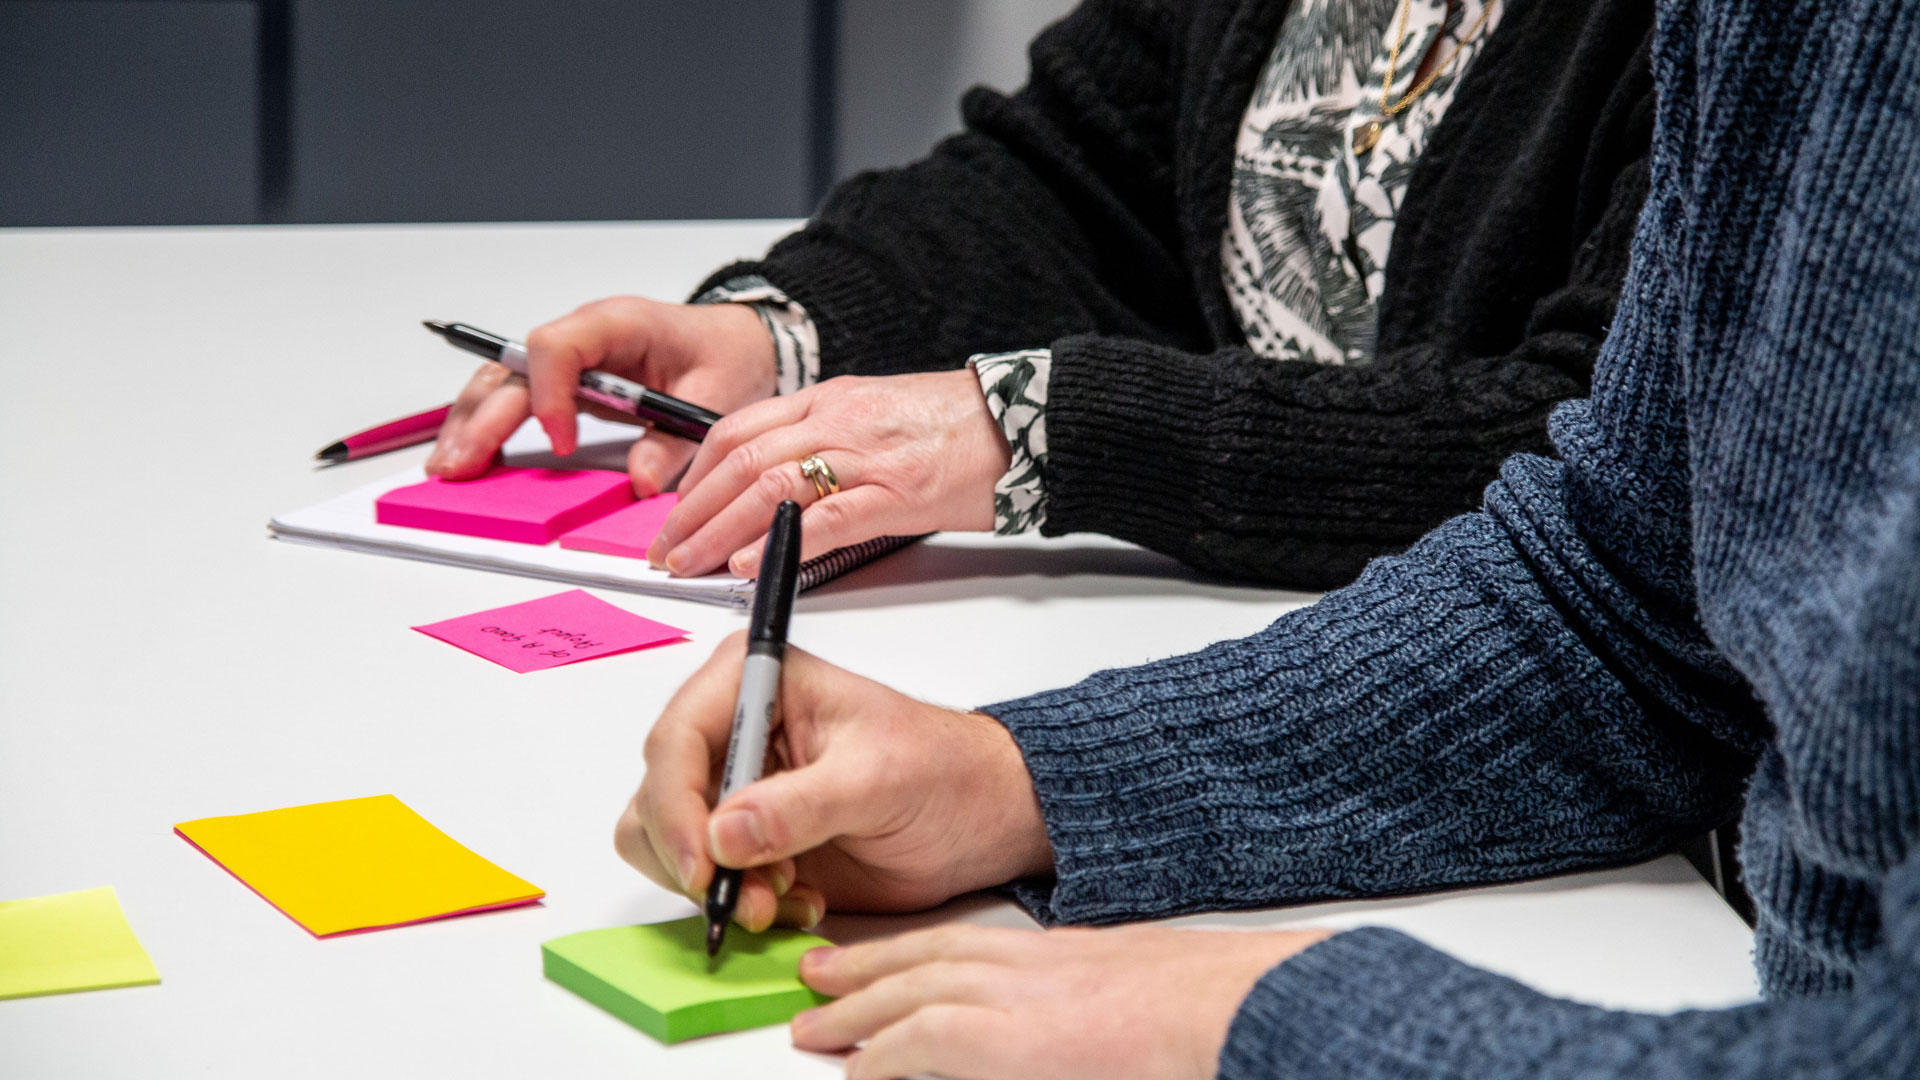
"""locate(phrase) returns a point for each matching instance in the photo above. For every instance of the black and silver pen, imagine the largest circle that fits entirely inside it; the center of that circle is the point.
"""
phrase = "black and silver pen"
(663, 411)
(759, 687)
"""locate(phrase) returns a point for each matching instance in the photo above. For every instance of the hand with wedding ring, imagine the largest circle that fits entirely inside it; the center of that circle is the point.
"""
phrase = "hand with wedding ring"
(897, 455)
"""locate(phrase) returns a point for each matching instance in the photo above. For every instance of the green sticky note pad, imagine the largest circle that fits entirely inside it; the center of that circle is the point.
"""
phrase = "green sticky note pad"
(658, 977)
(67, 942)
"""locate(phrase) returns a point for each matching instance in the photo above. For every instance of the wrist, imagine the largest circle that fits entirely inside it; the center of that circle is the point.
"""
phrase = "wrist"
(1019, 845)
(738, 334)
(987, 456)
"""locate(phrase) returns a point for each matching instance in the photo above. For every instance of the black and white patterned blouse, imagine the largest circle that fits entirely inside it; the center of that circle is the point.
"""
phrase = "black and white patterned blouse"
(1304, 253)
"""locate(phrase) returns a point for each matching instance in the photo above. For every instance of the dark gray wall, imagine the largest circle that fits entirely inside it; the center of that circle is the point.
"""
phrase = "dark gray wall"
(905, 63)
(422, 110)
(129, 112)
(126, 112)
(139, 112)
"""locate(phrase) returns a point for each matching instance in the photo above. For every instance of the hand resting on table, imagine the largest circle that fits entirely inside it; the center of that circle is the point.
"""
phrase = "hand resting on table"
(912, 454)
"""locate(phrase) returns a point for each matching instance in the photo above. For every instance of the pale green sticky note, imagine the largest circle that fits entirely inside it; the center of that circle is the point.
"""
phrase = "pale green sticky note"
(69, 941)
(658, 977)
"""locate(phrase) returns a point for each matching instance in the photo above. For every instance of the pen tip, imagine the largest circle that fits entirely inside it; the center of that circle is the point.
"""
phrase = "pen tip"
(335, 452)
(715, 932)
(436, 326)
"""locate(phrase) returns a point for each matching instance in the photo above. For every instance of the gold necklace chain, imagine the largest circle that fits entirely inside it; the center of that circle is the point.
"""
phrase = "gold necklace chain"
(1367, 135)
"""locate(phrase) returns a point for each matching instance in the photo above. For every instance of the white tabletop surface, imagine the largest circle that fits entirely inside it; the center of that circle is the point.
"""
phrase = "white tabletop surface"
(165, 390)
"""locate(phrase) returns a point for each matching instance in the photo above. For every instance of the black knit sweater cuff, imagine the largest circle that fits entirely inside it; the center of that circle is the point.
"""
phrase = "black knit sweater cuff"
(1121, 445)
(868, 322)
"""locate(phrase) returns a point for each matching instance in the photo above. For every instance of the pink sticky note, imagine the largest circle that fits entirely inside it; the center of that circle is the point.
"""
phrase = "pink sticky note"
(627, 531)
(554, 630)
(531, 506)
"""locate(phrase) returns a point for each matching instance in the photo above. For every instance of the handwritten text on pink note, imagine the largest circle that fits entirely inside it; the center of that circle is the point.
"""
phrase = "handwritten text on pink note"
(554, 630)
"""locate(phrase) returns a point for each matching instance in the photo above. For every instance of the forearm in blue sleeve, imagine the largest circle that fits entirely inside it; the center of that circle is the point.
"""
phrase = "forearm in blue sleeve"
(1374, 1004)
(1439, 723)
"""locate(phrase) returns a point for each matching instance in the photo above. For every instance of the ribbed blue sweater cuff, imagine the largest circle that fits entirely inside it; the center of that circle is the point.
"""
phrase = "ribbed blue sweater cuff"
(1375, 1004)
(1114, 801)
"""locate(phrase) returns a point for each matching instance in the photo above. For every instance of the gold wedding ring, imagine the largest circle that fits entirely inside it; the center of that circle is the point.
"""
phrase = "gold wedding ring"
(815, 468)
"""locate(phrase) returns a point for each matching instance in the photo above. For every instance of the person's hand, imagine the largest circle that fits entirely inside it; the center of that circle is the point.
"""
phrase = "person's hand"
(987, 1003)
(719, 356)
(874, 802)
(912, 454)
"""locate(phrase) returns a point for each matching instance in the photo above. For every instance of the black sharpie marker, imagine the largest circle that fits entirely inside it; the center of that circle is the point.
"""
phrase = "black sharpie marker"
(663, 411)
(759, 688)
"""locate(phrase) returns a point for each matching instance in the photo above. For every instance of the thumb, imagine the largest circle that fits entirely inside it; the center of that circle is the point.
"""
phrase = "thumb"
(788, 814)
(656, 461)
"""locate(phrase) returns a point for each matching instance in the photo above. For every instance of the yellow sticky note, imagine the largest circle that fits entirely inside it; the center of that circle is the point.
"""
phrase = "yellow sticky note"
(357, 864)
(69, 941)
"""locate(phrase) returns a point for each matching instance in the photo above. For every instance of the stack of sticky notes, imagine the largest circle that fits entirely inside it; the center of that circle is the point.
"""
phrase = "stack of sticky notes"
(659, 978)
(529, 506)
(67, 942)
(627, 532)
(357, 864)
(584, 509)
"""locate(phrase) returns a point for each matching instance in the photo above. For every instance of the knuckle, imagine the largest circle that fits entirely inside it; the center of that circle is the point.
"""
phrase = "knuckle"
(831, 516)
(745, 460)
(655, 742)
(773, 485)
(936, 1025)
(799, 812)
(949, 939)
(727, 431)
(628, 834)
(779, 831)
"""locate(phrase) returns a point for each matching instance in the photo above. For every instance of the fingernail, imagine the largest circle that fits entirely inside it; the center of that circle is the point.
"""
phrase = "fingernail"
(737, 834)
(677, 561)
(813, 916)
(779, 881)
(803, 1020)
(815, 959)
(686, 870)
(746, 566)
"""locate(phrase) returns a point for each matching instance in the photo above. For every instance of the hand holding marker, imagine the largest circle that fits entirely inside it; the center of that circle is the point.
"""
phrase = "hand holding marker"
(759, 690)
(663, 411)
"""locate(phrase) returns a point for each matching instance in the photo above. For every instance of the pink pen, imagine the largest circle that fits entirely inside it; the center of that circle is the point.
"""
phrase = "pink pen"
(406, 431)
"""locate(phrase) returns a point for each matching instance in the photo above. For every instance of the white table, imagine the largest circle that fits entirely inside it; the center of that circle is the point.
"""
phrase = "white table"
(164, 391)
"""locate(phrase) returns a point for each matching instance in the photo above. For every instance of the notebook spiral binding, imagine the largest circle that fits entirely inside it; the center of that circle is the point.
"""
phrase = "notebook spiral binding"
(826, 567)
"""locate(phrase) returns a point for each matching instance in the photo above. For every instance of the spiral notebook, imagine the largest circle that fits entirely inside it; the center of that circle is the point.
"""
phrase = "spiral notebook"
(348, 522)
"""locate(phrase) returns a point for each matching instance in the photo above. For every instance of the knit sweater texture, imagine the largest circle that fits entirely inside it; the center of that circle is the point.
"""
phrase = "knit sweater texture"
(1085, 213)
(1713, 593)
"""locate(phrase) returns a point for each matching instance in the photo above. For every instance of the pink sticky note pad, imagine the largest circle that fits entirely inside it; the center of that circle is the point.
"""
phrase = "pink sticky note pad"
(561, 629)
(531, 506)
(627, 531)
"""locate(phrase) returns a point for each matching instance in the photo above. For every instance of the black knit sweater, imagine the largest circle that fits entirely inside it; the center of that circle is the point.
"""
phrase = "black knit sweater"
(1086, 211)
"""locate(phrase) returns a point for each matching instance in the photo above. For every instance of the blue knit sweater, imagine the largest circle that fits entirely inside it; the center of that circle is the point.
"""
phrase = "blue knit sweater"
(1714, 592)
